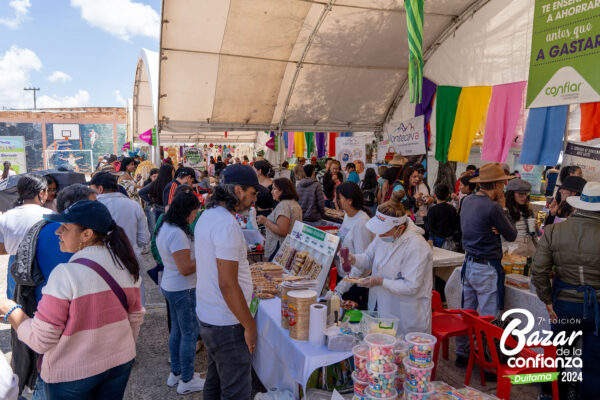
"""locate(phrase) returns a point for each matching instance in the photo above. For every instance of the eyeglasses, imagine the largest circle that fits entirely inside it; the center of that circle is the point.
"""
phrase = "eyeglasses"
(52, 190)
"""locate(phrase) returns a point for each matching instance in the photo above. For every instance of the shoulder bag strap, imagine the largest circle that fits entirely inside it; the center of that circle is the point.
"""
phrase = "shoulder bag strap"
(117, 290)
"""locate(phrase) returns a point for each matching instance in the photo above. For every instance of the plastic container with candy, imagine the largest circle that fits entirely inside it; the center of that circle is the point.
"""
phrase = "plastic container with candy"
(359, 386)
(417, 378)
(361, 353)
(400, 351)
(410, 395)
(381, 352)
(382, 383)
(372, 395)
(420, 347)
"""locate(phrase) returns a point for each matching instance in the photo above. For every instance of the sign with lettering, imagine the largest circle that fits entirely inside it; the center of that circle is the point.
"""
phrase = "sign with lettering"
(12, 149)
(408, 138)
(586, 157)
(565, 53)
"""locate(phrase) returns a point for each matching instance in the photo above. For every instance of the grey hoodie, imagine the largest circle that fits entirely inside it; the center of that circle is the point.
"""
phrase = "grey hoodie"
(311, 199)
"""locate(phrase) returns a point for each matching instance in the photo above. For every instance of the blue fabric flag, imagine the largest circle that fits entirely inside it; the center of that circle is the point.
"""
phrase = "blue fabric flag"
(544, 135)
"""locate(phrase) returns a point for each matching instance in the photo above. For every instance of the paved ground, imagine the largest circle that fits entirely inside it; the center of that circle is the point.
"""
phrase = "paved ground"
(148, 378)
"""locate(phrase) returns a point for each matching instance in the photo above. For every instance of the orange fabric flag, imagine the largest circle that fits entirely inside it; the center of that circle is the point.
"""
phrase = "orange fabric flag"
(590, 121)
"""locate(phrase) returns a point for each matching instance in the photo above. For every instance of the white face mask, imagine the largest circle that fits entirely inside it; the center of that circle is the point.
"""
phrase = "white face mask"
(390, 239)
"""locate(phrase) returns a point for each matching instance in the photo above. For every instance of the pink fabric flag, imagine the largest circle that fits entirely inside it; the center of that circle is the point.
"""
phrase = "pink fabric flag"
(503, 116)
(146, 136)
(271, 144)
(290, 149)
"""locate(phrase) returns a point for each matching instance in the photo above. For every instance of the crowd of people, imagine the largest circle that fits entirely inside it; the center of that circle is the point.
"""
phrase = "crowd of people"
(75, 297)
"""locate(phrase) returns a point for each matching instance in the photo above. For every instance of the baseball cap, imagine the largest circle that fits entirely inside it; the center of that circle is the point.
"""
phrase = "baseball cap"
(382, 223)
(87, 213)
(240, 174)
(104, 179)
(187, 171)
(313, 159)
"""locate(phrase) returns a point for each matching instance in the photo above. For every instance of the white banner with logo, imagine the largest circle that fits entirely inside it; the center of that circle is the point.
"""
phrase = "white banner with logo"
(351, 149)
(532, 174)
(408, 138)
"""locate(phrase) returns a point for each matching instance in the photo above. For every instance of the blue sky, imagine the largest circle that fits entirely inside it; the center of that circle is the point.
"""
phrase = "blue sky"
(78, 52)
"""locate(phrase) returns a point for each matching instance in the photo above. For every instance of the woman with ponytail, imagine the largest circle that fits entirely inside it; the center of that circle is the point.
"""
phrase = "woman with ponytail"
(354, 236)
(400, 264)
(89, 317)
(16, 222)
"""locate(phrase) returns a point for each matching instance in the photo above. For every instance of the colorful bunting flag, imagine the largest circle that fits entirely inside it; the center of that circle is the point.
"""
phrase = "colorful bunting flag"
(414, 23)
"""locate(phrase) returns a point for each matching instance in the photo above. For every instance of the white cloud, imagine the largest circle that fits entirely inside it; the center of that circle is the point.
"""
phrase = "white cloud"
(59, 76)
(120, 99)
(16, 66)
(80, 99)
(21, 8)
(122, 18)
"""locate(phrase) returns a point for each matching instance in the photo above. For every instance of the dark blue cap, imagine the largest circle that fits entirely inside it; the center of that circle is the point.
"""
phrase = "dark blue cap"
(87, 213)
(240, 174)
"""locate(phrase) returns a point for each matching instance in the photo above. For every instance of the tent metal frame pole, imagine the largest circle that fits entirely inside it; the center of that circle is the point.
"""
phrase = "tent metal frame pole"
(450, 30)
(326, 9)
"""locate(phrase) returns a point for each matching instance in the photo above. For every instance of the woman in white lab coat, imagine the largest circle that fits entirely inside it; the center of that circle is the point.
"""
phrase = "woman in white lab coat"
(354, 236)
(400, 261)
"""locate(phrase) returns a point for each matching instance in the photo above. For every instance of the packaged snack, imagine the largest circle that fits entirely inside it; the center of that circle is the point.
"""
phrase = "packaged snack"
(359, 385)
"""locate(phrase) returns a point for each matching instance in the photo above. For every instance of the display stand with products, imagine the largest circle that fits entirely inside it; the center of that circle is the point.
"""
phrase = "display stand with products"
(308, 251)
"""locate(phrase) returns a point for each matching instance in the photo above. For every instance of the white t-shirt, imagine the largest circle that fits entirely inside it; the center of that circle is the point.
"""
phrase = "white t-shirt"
(15, 223)
(218, 235)
(355, 236)
(171, 239)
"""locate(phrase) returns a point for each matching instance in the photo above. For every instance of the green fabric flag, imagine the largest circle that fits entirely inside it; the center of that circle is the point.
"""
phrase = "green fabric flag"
(445, 113)
(414, 23)
(309, 142)
(154, 137)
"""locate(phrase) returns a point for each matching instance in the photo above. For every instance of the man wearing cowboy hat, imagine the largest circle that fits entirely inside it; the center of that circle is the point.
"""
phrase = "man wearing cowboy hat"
(483, 219)
(573, 247)
(393, 174)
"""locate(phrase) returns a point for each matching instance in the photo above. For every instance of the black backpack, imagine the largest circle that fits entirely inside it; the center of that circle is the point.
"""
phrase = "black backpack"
(369, 196)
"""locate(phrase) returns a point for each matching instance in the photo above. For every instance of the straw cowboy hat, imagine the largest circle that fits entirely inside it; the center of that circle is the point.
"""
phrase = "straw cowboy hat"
(491, 172)
(589, 199)
(399, 160)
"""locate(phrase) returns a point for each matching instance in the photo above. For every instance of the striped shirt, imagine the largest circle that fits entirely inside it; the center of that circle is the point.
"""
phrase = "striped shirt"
(80, 326)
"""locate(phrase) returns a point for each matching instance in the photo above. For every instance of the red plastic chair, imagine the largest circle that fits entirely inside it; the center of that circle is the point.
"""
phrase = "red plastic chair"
(480, 326)
(444, 325)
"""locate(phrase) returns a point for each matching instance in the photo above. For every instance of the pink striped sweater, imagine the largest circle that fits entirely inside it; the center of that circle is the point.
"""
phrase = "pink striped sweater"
(80, 325)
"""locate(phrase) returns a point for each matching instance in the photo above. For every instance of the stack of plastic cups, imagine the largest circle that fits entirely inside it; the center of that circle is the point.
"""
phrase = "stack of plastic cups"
(360, 376)
(418, 366)
(381, 366)
(400, 352)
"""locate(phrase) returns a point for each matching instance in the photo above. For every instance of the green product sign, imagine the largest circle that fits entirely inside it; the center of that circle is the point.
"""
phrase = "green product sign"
(316, 233)
(565, 53)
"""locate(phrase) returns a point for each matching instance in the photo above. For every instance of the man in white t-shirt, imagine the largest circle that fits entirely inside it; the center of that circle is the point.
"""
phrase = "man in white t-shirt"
(224, 286)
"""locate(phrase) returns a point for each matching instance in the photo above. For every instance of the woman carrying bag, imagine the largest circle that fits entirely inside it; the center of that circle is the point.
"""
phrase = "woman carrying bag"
(89, 317)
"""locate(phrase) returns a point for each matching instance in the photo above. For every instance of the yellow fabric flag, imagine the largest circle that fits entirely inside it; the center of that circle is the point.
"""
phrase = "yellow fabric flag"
(299, 144)
(470, 118)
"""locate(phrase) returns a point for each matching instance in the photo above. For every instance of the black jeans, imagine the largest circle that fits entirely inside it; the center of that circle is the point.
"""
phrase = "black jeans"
(229, 363)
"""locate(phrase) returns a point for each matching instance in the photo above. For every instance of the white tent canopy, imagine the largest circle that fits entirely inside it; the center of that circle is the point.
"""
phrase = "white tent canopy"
(307, 65)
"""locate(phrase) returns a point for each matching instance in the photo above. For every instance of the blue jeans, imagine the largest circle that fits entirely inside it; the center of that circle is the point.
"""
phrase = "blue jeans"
(150, 218)
(184, 331)
(480, 292)
(590, 346)
(229, 363)
(10, 281)
(39, 393)
(108, 385)
(437, 240)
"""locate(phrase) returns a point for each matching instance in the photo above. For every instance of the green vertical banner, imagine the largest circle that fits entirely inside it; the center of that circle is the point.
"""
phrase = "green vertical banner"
(309, 142)
(565, 53)
(154, 138)
(414, 23)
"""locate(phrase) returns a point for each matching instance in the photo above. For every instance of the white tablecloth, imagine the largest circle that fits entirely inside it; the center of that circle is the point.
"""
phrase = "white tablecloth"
(446, 258)
(513, 298)
(280, 361)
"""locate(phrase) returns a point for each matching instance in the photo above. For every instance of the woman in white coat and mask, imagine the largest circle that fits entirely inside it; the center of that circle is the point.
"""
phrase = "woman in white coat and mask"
(401, 263)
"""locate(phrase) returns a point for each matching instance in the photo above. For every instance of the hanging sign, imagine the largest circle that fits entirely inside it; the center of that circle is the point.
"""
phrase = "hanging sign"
(586, 157)
(565, 53)
(408, 138)
(192, 157)
(532, 174)
(351, 149)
